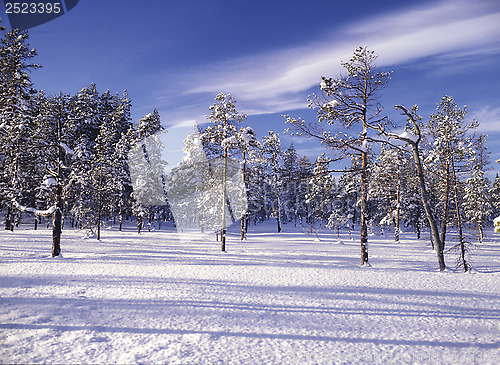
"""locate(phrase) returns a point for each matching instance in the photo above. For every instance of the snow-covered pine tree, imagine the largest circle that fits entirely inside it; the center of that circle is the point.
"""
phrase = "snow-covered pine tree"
(272, 156)
(220, 137)
(347, 109)
(259, 193)
(191, 188)
(385, 188)
(289, 175)
(114, 114)
(51, 116)
(321, 192)
(84, 126)
(16, 126)
(247, 142)
(122, 184)
(102, 152)
(477, 204)
(412, 136)
(411, 209)
(343, 207)
(448, 132)
(143, 177)
(495, 196)
(57, 161)
(304, 175)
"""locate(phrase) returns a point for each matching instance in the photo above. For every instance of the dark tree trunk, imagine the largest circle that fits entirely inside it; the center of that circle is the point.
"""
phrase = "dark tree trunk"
(243, 213)
(481, 232)
(224, 198)
(446, 208)
(120, 218)
(428, 212)
(461, 240)
(223, 240)
(57, 223)
(354, 211)
(398, 201)
(421, 183)
(243, 231)
(139, 224)
(364, 228)
(9, 217)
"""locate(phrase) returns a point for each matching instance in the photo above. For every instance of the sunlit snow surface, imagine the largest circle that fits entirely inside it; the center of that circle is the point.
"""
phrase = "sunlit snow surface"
(275, 298)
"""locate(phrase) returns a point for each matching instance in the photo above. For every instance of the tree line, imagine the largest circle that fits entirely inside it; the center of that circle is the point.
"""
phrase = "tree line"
(67, 157)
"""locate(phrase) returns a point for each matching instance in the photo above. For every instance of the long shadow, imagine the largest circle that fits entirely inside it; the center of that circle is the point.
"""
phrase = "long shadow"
(105, 281)
(272, 336)
(335, 300)
(455, 312)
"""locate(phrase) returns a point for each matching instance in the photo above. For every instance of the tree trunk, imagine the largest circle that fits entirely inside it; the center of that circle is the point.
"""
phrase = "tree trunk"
(57, 223)
(278, 200)
(9, 217)
(243, 231)
(481, 232)
(428, 212)
(243, 213)
(224, 197)
(120, 218)
(364, 229)
(99, 219)
(353, 222)
(398, 201)
(139, 224)
(459, 221)
(446, 207)
(278, 218)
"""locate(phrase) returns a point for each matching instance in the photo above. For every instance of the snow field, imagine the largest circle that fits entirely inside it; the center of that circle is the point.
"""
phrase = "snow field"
(160, 297)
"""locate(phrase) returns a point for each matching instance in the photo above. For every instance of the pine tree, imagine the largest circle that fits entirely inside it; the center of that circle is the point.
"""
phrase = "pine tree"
(350, 109)
(258, 190)
(412, 136)
(84, 126)
(290, 182)
(305, 173)
(16, 126)
(478, 208)
(386, 187)
(146, 167)
(273, 155)
(221, 138)
(449, 148)
(247, 142)
(321, 193)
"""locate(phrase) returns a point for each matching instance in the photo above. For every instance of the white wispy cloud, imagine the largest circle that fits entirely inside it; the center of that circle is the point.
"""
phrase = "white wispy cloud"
(488, 118)
(276, 81)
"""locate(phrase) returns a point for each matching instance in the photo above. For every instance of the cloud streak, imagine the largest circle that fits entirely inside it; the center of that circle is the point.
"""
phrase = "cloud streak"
(276, 81)
(488, 118)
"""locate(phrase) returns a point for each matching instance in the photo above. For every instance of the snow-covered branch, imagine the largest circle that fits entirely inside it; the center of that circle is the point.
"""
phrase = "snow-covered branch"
(43, 213)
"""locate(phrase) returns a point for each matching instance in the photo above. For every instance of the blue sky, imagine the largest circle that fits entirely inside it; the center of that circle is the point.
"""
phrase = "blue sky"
(270, 55)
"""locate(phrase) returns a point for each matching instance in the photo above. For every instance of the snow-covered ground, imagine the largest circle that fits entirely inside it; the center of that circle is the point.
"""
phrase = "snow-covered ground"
(275, 298)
